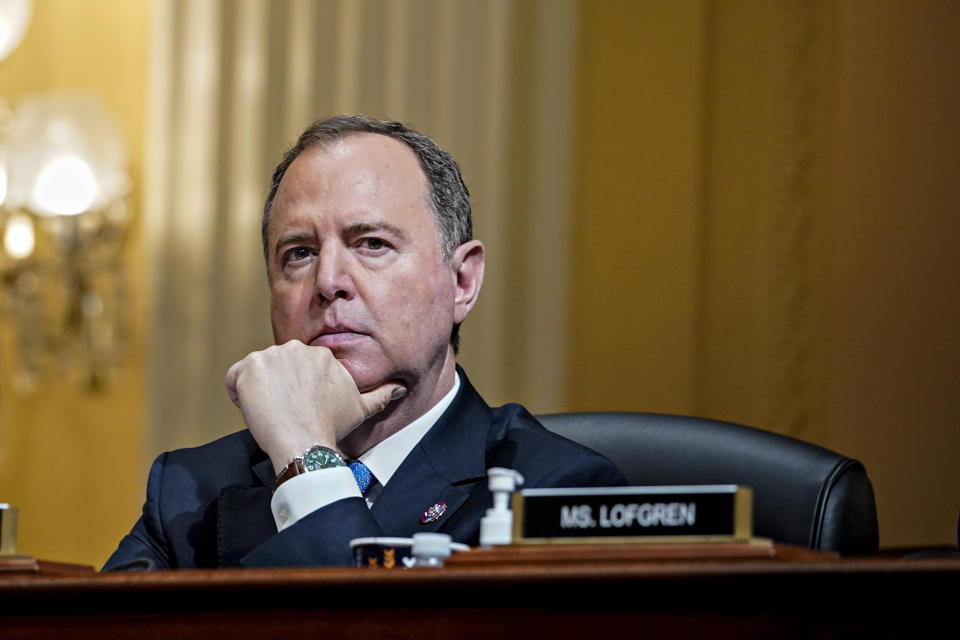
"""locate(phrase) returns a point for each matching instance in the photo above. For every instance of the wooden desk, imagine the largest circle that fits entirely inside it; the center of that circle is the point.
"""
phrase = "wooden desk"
(794, 594)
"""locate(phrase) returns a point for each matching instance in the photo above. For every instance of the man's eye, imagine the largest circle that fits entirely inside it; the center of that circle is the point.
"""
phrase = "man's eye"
(374, 244)
(298, 253)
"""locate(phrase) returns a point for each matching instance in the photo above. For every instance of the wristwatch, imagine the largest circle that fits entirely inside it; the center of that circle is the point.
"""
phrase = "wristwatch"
(313, 459)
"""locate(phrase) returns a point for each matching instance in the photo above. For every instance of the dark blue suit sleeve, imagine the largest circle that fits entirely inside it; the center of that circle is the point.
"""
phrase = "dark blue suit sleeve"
(321, 538)
(146, 544)
(595, 471)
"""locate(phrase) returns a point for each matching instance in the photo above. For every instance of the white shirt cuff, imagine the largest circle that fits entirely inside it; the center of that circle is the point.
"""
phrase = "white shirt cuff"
(310, 491)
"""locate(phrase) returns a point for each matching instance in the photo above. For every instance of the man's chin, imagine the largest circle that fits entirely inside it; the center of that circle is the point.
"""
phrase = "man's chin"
(365, 376)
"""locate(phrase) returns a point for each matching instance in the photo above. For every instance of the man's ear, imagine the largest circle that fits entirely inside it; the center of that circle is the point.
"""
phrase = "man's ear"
(467, 264)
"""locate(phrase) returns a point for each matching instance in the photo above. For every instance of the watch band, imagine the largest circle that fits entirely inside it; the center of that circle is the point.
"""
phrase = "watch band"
(313, 459)
(294, 468)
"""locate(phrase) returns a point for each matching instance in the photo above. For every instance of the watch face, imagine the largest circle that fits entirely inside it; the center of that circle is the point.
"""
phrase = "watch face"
(321, 458)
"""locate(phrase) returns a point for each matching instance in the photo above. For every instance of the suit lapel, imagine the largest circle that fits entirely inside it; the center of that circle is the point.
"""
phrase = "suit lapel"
(441, 471)
(244, 519)
(413, 489)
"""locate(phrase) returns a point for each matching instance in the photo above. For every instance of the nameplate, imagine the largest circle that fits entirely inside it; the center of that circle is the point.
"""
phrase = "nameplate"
(642, 514)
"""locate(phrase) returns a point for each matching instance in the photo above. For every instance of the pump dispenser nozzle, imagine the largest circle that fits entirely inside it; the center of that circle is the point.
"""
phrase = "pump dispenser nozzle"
(497, 526)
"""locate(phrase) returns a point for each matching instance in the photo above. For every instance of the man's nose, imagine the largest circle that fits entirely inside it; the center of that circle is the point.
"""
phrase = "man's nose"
(334, 278)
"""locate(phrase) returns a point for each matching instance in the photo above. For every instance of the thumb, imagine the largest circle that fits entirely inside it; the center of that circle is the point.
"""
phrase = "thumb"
(376, 400)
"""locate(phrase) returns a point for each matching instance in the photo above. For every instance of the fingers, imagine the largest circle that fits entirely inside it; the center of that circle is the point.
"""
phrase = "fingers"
(253, 360)
(376, 400)
(231, 382)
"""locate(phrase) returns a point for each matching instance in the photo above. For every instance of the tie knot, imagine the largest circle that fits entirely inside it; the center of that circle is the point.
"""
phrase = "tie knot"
(362, 474)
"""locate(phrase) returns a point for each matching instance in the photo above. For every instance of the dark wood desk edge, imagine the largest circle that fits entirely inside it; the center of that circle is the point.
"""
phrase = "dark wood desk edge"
(676, 598)
(323, 577)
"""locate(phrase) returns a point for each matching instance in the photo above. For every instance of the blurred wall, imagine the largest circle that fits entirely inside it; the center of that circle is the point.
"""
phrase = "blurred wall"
(895, 249)
(766, 227)
(702, 210)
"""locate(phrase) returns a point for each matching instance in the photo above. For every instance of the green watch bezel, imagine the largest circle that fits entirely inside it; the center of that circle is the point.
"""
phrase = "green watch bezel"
(318, 457)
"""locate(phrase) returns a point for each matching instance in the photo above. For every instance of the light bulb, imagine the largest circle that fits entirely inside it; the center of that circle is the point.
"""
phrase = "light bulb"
(65, 186)
(14, 16)
(18, 237)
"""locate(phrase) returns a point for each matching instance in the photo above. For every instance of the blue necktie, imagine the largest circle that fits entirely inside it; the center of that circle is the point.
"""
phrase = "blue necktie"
(362, 474)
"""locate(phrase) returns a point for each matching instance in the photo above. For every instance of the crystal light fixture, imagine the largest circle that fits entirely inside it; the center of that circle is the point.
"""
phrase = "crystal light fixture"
(64, 216)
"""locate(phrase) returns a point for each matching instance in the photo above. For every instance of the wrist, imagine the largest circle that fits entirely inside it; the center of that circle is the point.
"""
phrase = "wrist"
(315, 458)
(284, 456)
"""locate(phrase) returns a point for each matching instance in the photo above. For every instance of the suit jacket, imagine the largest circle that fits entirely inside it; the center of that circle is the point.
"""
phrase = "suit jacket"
(209, 506)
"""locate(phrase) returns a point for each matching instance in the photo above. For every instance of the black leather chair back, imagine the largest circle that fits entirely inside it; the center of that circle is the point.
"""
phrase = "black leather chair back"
(802, 494)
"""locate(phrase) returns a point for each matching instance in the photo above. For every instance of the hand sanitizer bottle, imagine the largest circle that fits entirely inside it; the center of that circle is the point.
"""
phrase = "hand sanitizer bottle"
(497, 526)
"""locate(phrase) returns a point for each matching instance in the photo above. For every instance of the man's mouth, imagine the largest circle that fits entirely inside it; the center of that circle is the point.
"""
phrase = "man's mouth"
(336, 337)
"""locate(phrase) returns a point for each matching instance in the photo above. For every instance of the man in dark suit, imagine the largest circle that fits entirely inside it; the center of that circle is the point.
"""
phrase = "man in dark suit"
(372, 268)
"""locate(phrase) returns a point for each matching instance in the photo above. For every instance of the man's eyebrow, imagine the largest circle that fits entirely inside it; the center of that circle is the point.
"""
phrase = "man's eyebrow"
(360, 228)
(294, 237)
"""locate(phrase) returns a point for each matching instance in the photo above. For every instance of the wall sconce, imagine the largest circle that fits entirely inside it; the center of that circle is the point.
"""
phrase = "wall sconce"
(64, 217)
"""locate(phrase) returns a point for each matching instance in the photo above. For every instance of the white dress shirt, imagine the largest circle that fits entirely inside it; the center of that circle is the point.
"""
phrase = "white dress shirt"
(308, 492)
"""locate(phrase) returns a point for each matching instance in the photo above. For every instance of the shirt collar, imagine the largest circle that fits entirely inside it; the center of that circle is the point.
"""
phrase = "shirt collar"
(384, 458)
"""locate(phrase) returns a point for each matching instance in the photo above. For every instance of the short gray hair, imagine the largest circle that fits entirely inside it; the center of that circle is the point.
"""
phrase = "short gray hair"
(449, 197)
